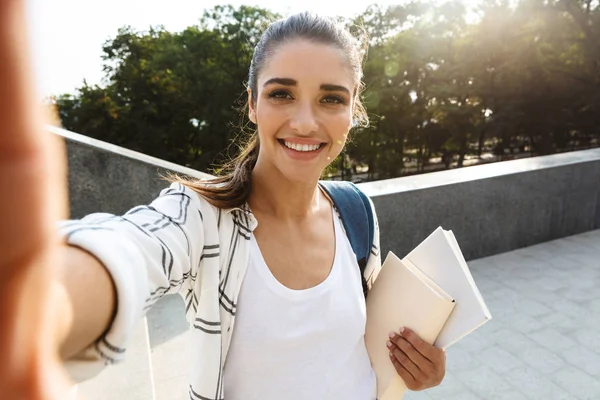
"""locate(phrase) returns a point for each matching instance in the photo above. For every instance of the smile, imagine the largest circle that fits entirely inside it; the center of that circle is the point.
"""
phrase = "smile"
(301, 147)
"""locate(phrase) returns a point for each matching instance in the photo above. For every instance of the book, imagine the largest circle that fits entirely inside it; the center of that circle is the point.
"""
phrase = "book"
(440, 258)
(430, 291)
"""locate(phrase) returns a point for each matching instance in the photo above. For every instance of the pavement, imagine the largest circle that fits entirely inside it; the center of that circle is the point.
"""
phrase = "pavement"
(544, 339)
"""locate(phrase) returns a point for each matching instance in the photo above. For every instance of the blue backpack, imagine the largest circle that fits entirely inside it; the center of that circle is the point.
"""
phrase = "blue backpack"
(357, 217)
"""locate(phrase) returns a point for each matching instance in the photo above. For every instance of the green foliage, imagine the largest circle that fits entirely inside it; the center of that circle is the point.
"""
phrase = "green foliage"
(175, 96)
(522, 79)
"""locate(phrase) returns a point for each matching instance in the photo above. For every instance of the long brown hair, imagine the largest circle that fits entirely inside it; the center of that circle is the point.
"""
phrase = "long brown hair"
(232, 188)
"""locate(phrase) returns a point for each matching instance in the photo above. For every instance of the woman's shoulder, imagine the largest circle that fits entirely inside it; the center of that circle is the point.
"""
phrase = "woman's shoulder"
(188, 191)
(195, 198)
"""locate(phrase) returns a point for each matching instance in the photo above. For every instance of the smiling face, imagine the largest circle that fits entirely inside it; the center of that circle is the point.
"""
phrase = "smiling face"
(302, 109)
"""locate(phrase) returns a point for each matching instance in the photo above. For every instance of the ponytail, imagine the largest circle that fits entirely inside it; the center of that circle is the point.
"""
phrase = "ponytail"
(232, 189)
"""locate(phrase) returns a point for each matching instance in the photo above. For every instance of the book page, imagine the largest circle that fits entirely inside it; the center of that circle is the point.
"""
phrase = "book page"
(432, 285)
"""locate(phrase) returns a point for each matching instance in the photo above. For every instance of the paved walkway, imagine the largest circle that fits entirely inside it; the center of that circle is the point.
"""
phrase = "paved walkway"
(542, 343)
(544, 339)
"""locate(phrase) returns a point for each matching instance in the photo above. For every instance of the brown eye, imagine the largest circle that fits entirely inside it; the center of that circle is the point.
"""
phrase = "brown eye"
(332, 99)
(280, 94)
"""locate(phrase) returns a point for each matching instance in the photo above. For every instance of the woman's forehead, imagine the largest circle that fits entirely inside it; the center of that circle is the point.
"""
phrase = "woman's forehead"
(308, 63)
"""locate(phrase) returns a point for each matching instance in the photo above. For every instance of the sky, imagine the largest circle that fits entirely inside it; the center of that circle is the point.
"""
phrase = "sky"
(67, 35)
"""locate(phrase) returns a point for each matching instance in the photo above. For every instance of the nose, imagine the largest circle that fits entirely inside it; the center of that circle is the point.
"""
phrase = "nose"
(304, 120)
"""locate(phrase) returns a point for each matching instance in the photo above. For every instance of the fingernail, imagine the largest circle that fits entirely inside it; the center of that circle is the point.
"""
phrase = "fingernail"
(392, 335)
(389, 344)
(401, 330)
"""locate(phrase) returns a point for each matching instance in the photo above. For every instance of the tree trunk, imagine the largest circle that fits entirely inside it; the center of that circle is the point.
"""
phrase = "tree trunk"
(481, 141)
(531, 145)
(462, 153)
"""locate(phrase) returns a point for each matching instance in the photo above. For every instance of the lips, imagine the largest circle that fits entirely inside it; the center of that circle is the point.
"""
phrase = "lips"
(313, 149)
(302, 146)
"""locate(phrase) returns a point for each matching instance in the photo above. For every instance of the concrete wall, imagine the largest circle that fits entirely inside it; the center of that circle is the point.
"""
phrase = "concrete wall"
(490, 208)
(108, 178)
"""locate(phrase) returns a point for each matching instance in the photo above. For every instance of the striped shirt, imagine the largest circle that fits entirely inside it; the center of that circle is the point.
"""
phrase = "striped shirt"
(182, 244)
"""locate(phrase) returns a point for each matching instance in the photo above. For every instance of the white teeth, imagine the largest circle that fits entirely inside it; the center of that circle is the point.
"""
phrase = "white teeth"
(302, 147)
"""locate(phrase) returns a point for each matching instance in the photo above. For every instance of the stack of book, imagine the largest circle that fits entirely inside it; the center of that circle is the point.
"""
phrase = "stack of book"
(432, 292)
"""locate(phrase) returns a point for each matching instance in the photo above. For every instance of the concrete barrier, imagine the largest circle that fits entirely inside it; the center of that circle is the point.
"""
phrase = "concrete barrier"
(491, 208)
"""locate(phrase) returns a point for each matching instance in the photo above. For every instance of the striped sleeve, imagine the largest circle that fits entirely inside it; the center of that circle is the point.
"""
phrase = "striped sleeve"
(374, 262)
(150, 251)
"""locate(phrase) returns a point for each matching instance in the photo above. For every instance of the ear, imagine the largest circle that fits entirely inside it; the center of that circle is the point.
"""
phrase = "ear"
(251, 108)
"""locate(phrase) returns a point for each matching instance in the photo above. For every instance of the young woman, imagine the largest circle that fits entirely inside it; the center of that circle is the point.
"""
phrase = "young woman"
(271, 285)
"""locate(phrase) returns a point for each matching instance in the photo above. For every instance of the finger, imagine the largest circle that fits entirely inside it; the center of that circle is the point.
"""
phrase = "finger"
(32, 168)
(28, 206)
(24, 160)
(435, 355)
(424, 348)
(423, 363)
(406, 362)
(413, 354)
(20, 116)
(406, 376)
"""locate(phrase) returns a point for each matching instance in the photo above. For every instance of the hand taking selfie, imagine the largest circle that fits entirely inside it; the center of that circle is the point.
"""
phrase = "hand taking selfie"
(32, 177)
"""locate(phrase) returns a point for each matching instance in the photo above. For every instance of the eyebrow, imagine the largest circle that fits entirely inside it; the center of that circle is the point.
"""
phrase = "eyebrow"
(335, 88)
(281, 81)
(292, 82)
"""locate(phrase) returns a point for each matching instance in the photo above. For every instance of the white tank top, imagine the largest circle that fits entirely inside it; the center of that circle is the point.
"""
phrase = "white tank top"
(300, 344)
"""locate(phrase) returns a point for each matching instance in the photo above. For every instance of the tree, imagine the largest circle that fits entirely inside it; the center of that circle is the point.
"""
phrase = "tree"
(175, 96)
(521, 79)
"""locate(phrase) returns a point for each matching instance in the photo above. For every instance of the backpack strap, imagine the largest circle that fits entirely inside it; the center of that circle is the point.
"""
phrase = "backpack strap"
(356, 214)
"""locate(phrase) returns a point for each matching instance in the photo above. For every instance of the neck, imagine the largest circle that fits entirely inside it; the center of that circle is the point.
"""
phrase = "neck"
(272, 193)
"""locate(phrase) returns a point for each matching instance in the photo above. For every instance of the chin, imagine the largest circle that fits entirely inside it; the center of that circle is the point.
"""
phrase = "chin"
(302, 175)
